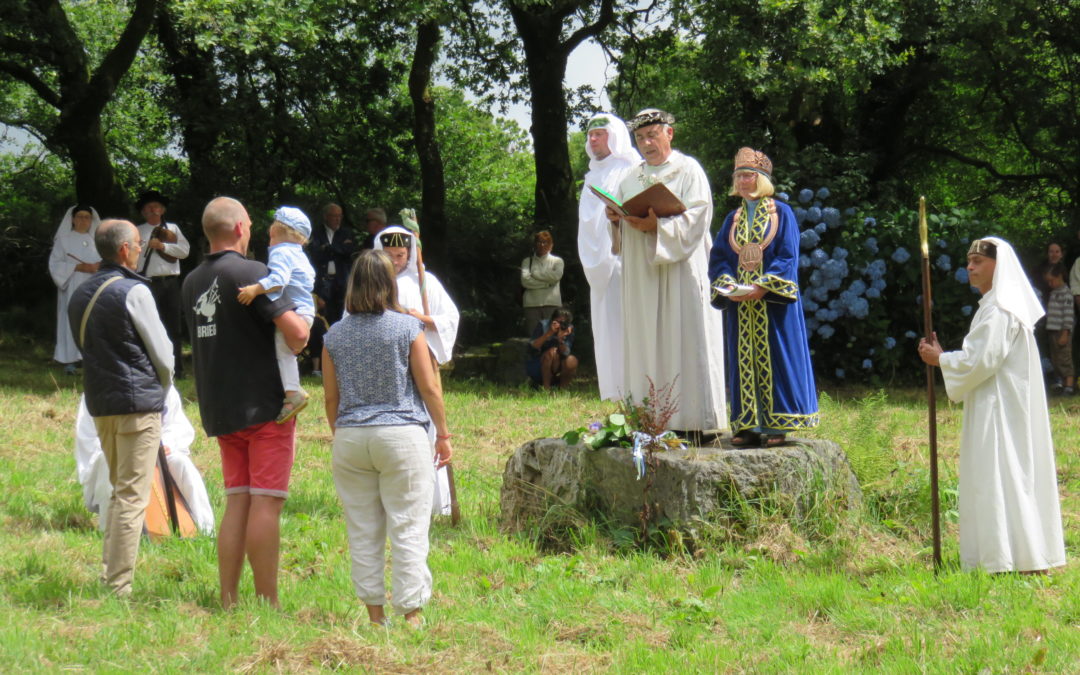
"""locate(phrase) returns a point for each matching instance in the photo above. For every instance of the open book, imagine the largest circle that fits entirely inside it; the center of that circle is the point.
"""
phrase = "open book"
(657, 196)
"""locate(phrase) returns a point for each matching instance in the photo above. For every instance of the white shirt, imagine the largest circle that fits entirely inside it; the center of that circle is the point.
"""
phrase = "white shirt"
(159, 267)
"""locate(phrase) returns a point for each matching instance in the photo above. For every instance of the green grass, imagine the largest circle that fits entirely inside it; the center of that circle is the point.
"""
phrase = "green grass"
(855, 596)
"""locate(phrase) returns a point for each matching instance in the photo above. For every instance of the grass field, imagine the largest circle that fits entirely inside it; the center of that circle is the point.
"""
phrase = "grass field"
(856, 596)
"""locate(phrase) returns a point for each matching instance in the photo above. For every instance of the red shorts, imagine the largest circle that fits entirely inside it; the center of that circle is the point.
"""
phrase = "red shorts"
(259, 459)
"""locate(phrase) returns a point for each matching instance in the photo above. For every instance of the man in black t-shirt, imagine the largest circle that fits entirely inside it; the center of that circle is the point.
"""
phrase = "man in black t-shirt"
(239, 388)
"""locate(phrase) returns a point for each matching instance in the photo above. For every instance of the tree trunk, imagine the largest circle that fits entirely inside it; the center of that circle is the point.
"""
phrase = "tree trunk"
(83, 141)
(433, 196)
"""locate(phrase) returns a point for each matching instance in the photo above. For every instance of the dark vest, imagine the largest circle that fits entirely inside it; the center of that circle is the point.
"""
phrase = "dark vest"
(118, 375)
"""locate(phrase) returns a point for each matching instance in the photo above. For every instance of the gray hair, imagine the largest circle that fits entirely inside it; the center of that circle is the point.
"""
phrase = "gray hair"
(113, 234)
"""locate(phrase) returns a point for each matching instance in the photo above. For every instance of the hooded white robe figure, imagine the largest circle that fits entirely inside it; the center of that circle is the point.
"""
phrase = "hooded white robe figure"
(1010, 515)
(611, 157)
(71, 251)
(176, 435)
(440, 322)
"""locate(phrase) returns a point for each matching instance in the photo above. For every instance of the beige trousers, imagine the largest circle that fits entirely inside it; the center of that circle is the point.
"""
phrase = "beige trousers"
(385, 477)
(130, 444)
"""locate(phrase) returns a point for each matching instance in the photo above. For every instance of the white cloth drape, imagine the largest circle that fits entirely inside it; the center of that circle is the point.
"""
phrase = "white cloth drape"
(177, 435)
(69, 249)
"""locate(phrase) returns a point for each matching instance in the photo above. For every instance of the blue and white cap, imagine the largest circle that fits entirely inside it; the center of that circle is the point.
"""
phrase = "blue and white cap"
(293, 218)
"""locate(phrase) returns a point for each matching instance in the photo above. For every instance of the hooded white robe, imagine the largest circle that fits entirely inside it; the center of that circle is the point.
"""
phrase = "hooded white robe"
(177, 435)
(603, 269)
(440, 339)
(1010, 517)
(69, 249)
(671, 334)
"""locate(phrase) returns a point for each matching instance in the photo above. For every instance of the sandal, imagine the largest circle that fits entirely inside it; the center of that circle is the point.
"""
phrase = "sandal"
(775, 440)
(745, 438)
(293, 405)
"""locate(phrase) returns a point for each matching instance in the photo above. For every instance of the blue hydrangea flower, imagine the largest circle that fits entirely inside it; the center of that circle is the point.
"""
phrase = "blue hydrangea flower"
(823, 193)
(822, 315)
(890, 342)
(941, 243)
(943, 263)
(805, 195)
(804, 261)
(782, 196)
(876, 269)
(809, 306)
(965, 241)
(814, 214)
(840, 373)
(870, 221)
(831, 217)
(910, 335)
(833, 315)
(821, 294)
(832, 283)
(867, 364)
(878, 285)
(966, 310)
(800, 214)
(835, 269)
(858, 287)
(871, 245)
(860, 308)
(839, 253)
(871, 351)
(849, 211)
(826, 331)
(873, 293)
(818, 257)
(811, 324)
(962, 275)
(809, 239)
(820, 228)
(901, 255)
(816, 278)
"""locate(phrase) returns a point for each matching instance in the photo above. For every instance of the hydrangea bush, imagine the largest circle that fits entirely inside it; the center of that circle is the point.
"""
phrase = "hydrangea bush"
(861, 284)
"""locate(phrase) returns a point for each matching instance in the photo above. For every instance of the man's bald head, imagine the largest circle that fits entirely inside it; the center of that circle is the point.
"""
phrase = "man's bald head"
(220, 220)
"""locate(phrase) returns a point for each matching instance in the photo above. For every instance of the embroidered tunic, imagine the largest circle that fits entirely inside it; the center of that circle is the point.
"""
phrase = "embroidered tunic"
(769, 374)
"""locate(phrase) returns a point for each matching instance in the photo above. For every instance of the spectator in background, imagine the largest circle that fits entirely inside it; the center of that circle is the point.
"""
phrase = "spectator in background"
(72, 260)
(549, 361)
(331, 251)
(540, 276)
(1059, 324)
(1055, 253)
(375, 222)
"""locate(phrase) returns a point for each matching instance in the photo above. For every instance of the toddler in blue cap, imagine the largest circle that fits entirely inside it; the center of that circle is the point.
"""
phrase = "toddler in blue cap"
(290, 275)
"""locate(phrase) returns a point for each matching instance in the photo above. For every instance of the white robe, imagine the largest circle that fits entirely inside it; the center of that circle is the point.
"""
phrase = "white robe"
(671, 334)
(68, 246)
(603, 269)
(1010, 518)
(441, 343)
(176, 434)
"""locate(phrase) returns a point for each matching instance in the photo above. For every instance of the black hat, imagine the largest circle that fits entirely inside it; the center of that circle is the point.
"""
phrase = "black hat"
(151, 196)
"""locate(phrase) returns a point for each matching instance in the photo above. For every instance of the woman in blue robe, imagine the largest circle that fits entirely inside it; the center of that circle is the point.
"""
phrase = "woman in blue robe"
(754, 270)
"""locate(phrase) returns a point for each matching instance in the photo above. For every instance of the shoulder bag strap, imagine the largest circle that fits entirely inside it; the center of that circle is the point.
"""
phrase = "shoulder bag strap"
(86, 312)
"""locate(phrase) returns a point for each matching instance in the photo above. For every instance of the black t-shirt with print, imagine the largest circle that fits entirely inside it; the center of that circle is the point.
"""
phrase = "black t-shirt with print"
(232, 345)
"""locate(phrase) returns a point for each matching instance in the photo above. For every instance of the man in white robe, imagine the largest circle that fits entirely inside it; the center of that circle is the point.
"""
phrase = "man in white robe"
(611, 157)
(440, 321)
(72, 261)
(1010, 516)
(177, 435)
(671, 334)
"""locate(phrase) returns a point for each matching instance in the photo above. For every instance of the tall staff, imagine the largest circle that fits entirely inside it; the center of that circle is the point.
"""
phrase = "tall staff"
(928, 331)
(410, 222)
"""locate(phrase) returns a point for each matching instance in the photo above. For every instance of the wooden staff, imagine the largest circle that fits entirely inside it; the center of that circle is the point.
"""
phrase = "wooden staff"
(928, 331)
(455, 509)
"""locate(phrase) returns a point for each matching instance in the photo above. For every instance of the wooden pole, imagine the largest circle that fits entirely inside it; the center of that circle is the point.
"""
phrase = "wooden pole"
(928, 331)
(455, 509)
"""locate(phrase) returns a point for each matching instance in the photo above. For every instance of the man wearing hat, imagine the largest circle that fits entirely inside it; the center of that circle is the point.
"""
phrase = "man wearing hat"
(164, 247)
(671, 334)
(755, 270)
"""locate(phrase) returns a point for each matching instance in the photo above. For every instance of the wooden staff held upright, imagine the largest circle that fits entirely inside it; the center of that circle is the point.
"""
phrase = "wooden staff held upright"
(410, 222)
(928, 331)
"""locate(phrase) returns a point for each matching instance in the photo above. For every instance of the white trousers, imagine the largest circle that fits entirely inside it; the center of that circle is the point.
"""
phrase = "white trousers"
(286, 360)
(385, 479)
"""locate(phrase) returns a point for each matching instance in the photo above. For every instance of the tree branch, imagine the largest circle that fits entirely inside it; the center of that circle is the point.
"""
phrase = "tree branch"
(985, 165)
(30, 78)
(607, 15)
(116, 63)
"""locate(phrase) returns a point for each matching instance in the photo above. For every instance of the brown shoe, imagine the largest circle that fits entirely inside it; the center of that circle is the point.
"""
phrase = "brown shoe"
(744, 439)
(293, 405)
(774, 440)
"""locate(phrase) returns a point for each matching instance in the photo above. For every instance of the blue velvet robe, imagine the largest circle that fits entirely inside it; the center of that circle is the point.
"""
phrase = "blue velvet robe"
(767, 357)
